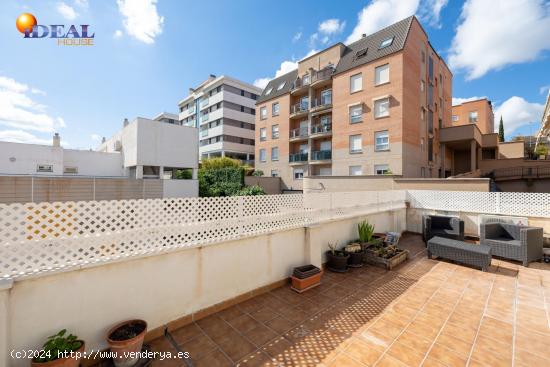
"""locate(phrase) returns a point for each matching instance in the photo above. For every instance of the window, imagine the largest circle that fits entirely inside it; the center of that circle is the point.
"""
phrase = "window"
(298, 173)
(422, 86)
(274, 173)
(356, 114)
(430, 150)
(355, 83)
(422, 171)
(275, 109)
(281, 86)
(268, 91)
(385, 43)
(381, 169)
(262, 155)
(455, 118)
(422, 113)
(305, 79)
(326, 97)
(382, 108)
(355, 144)
(44, 168)
(73, 170)
(382, 74)
(423, 56)
(381, 140)
(263, 134)
(355, 171)
(361, 53)
(472, 116)
(431, 68)
(263, 113)
(274, 131)
(422, 144)
(275, 153)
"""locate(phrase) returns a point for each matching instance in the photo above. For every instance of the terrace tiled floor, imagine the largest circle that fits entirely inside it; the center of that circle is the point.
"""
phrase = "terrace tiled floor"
(425, 312)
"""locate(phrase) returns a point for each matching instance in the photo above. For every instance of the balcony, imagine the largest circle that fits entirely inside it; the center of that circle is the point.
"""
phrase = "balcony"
(300, 133)
(299, 110)
(204, 118)
(321, 130)
(322, 104)
(298, 158)
(322, 78)
(204, 103)
(321, 155)
(234, 309)
(300, 86)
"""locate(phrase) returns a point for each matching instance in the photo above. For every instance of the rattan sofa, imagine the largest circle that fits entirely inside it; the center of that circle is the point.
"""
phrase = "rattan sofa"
(512, 241)
(442, 226)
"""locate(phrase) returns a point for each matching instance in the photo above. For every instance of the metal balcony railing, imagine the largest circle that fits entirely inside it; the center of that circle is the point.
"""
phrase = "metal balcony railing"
(299, 83)
(321, 128)
(301, 132)
(325, 101)
(297, 157)
(324, 74)
(321, 155)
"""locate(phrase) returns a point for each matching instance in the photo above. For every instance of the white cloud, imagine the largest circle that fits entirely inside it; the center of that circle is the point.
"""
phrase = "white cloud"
(117, 34)
(141, 19)
(38, 91)
(297, 37)
(379, 14)
(95, 137)
(18, 110)
(81, 3)
(517, 112)
(430, 11)
(457, 100)
(493, 34)
(20, 136)
(331, 26)
(285, 67)
(66, 11)
(544, 89)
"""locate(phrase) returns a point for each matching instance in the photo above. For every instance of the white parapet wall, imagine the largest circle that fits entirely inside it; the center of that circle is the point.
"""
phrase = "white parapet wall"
(180, 188)
(165, 287)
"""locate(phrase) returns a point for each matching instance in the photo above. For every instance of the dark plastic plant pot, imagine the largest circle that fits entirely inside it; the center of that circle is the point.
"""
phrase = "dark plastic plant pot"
(305, 271)
(355, 259)
(337, 262)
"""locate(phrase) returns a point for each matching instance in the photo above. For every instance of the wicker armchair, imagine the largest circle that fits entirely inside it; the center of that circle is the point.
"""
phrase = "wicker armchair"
(442, 226)
(513, 242)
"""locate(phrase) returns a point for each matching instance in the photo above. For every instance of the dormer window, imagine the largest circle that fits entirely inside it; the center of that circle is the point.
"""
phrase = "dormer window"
(268, 91)
(385, 43)
(281, 86)
(361, 53)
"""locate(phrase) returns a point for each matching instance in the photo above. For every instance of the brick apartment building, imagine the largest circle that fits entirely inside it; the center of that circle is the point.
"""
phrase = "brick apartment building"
(478, 112)
(369, 108)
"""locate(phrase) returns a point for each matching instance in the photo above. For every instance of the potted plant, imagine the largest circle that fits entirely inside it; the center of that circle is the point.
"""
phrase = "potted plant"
(56, 351)
(542, 151)
(337, 260)
(126, 339)
(306, 277)
(386, 254)
(367, 237)
(355, 252)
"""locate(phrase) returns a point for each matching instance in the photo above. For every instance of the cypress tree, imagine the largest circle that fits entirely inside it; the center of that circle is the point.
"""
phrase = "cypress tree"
(501, 131)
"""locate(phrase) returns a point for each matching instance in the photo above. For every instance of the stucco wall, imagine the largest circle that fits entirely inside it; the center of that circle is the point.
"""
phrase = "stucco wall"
(180, 188)
(163, 288)
(511, 150)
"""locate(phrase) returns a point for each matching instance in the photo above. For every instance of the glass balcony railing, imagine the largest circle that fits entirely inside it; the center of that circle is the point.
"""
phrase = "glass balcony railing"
(321, 128)
(191, 110)
(297, 157)
(204, 133)
(321, 155)
(204, 118)
(204, 102)
(299, 107)
(324, 101)
(301, 132)
(322, 75)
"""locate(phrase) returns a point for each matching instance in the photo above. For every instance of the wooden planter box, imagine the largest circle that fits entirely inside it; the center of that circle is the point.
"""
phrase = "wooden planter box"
(389, 264)
(302, 285)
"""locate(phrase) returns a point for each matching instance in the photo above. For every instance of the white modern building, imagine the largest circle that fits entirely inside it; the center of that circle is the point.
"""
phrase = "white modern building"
(223, 110)
(142, 149)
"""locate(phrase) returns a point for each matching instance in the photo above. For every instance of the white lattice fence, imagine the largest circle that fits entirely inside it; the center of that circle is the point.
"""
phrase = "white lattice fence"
(504, 203)
(36, 238)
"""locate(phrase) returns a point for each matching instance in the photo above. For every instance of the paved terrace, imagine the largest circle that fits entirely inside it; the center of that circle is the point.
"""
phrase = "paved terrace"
(425, 312)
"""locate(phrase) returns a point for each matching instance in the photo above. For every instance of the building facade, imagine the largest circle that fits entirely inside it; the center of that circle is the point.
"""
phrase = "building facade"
(223, 110)
(479, 112)
(543, 136)
(369, 108)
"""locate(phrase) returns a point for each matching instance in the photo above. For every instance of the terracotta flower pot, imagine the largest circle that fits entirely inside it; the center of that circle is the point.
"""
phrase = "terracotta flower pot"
(122, 347)
(305, 278)
(63, 362)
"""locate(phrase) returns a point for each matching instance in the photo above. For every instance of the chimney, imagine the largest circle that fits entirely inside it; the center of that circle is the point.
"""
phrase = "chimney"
(363, 35)
(125, 123)
(191, 90)
(56, 140)
(103, 140)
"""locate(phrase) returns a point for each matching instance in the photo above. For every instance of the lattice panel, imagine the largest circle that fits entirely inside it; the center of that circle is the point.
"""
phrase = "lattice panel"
(504, 203)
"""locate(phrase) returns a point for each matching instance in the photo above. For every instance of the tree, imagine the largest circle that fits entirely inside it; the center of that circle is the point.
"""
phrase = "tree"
(224, 177)
(501, 131)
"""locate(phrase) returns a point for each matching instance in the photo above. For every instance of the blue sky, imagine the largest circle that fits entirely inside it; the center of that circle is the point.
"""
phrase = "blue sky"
(148, 53)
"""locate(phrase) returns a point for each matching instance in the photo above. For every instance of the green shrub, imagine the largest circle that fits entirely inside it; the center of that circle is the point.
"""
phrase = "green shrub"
(226, 181)
(184, 174)
(252, 190)
(57, 344)
(541, 150)
(220, 162)
(258, 173)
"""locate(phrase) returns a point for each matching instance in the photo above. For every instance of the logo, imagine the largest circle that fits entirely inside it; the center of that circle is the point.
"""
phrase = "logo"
(73, 35)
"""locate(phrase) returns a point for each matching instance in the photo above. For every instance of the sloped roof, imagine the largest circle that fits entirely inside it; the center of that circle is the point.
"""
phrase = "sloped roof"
(288, 78)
